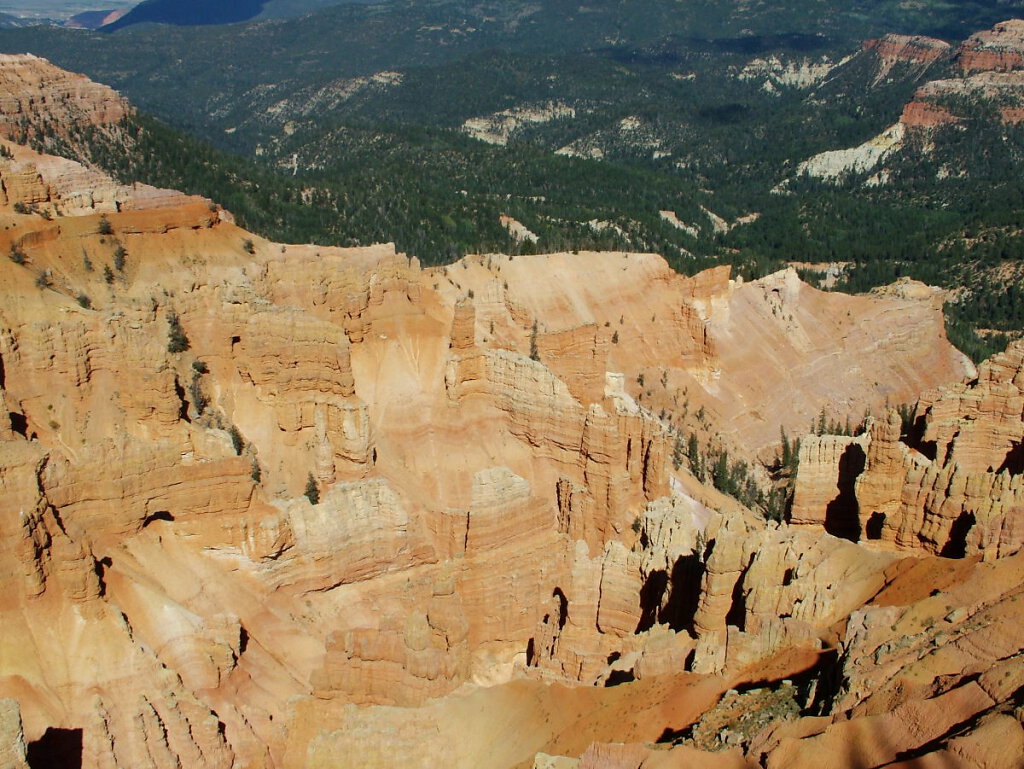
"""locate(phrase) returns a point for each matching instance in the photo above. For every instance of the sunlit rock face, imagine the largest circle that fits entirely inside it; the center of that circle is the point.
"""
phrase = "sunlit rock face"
(267, 505)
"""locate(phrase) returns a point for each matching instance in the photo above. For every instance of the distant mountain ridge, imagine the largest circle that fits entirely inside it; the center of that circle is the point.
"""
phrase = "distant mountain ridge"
(199, 13)
(189, 12)
(7, 21)
(95, 19)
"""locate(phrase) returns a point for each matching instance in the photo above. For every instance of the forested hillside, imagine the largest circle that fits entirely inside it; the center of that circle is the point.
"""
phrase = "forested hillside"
(450, 127)
(188, 12)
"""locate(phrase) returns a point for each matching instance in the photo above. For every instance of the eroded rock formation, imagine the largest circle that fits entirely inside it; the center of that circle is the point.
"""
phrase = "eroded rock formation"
(909, 51)
(998, 49)
(988, 69)
(991, 64)
(34, 91)
(283, 506)
(948, 484)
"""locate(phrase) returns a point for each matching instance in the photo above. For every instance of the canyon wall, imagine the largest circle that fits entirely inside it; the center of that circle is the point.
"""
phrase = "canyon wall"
(267, 505)
(947, 484)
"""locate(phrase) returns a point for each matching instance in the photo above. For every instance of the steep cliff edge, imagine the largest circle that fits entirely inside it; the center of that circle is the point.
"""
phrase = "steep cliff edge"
(990, 65)
(998, 49)
(906, 54)
(267, 505)
(40, 97)
(985, 81)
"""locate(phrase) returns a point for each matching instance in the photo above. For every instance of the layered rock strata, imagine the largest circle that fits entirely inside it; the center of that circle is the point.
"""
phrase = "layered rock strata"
(949, 484)
(276, 506)
(998, 49)
(914, 51)
(987, 71)
(34, 90)
(943, 102)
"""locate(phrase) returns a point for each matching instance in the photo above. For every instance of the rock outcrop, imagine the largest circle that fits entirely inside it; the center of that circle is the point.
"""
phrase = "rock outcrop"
(12, 739)
(500, 127)
(282, 506)
(942, 102)
(999, 49)
(988, 69)
(834, 165)
(778, 73)
(929, 670)
(991, 65)
(920, 678)
(950, 485)
(915, 52)
(50, 186)
(34, 92)
(880, 335)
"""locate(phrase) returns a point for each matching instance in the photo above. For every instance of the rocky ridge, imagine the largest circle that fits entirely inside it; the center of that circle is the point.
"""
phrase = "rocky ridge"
(914, 51)
(40, 97)
(272, 506)
(999, 49)
(987, 70)
(500, 127)
(778, 74)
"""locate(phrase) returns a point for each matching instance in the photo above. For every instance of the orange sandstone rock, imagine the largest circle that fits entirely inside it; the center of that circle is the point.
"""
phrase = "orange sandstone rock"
(951, 487)
(495, 517)
(1000, 48)
(33, 88)
(915, 51)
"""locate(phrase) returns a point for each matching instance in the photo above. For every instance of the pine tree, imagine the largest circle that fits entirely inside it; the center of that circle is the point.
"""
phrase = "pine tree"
(794, 456)
(694, 457)
(237, 441)
(312, 491)
(720, 475)
(677, 452)
(177, 340)
(195, 390)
